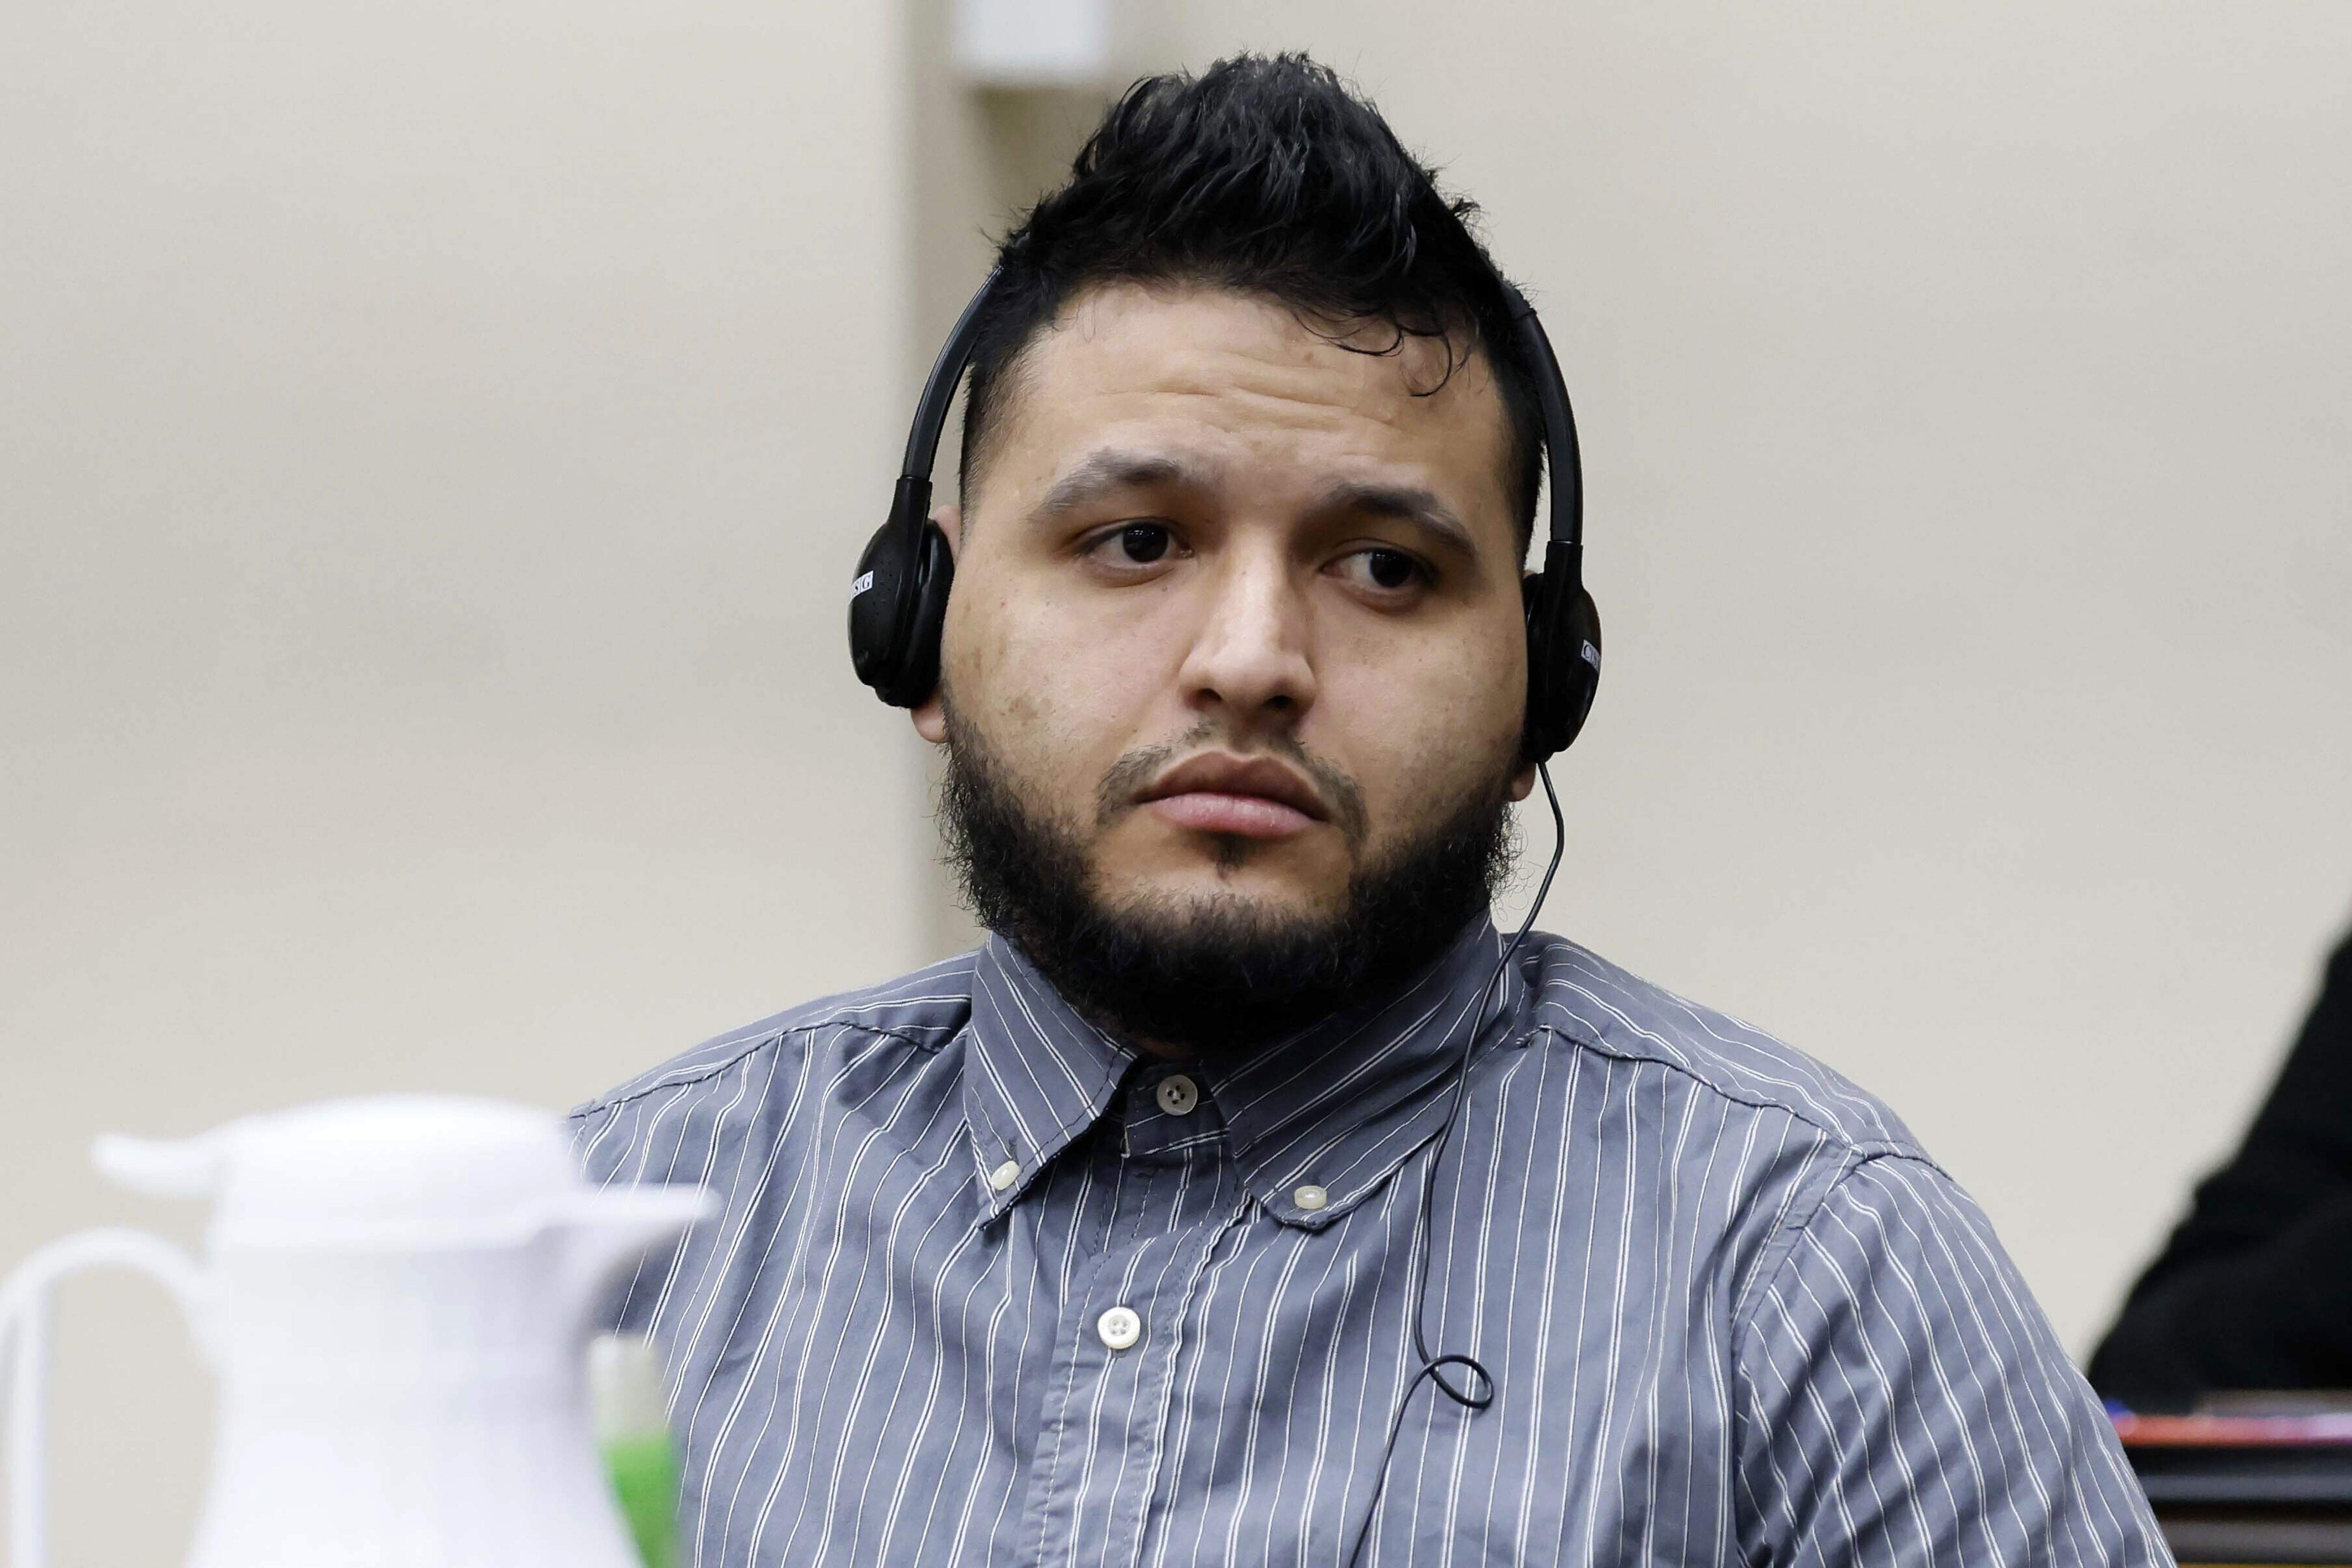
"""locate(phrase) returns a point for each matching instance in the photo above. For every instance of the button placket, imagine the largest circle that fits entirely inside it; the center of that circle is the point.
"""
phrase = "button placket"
(1114, 1361)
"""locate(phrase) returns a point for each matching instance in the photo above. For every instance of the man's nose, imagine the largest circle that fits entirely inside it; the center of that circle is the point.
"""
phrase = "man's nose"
(1251, 658)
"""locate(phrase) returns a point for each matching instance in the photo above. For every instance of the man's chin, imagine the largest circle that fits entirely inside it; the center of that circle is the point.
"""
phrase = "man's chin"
(1182, 901)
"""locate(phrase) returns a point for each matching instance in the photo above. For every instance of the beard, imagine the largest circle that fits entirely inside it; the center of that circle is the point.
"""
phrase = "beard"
(1214, 974)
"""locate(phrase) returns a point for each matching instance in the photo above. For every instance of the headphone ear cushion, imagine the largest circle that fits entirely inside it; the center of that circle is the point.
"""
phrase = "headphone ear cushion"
(1563, 667)
(918, 672)
(1533, 727)
(1580, 659)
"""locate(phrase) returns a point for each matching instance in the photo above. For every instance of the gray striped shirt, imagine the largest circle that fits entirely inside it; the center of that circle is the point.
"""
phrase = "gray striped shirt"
(989, 1287)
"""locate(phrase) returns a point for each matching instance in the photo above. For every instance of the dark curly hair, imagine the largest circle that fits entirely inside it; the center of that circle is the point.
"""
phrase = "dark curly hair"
(1271, 176)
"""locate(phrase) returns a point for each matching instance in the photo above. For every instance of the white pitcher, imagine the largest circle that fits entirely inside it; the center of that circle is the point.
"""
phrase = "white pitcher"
(397, 1298)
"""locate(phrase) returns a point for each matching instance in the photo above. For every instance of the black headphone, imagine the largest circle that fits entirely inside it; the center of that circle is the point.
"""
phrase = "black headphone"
(899, 599)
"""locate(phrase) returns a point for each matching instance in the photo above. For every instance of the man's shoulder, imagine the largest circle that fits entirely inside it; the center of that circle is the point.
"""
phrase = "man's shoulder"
(1591, 1004)
(923, 1009)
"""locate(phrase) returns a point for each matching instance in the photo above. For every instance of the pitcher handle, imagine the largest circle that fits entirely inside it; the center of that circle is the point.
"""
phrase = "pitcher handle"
(23, 1333)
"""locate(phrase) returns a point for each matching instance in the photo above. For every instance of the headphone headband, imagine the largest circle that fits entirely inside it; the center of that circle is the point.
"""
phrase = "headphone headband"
(1561, 451)
(939, 392)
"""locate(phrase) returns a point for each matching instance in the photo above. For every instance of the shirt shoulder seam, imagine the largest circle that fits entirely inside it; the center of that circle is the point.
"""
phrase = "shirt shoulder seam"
(1855, 1145)
(605, 1104)
(1802, 1209)
(1805, 1200)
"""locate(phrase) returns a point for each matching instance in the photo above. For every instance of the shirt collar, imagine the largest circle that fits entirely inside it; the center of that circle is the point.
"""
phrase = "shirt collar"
(1330, 1112)
(1035, 1075)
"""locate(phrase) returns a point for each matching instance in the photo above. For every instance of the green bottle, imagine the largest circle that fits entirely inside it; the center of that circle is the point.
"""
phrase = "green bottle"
(633, 1432)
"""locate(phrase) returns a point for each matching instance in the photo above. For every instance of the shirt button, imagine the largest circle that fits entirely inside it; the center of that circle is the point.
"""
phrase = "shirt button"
(1310, 1197)
(1005, 1174)
(1179, 1094)
(1119, 1327)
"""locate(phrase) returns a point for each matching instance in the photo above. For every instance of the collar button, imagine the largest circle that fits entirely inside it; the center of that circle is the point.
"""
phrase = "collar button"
(1311, 1198)
(1178, 1094)
(1002, 1177)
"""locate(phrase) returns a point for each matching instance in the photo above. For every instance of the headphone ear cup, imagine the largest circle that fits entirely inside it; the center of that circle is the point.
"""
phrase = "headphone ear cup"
(877, 607)
(897, 600)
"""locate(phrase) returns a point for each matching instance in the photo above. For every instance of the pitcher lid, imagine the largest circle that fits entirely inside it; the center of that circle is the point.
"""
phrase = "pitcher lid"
(381, 1170)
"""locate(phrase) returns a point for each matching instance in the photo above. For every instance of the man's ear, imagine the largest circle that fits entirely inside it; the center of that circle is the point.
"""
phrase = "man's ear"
(930, 718)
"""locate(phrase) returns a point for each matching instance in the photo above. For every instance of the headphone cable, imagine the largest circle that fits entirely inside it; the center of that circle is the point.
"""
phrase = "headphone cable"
(1478, 1386)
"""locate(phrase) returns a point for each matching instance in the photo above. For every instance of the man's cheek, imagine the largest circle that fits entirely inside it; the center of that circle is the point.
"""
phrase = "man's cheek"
(1092, 697)
(1433, 783)
(1015, 666)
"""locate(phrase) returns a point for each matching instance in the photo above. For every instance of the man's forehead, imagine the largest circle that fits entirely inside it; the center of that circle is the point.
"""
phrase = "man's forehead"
(1204, 338)
(1128, 367)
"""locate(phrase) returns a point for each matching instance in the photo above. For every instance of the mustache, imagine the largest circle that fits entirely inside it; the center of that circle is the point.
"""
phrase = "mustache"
(1114, 796)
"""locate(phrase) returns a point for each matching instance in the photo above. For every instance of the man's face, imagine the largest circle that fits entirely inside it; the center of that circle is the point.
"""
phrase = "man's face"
(1236, 612)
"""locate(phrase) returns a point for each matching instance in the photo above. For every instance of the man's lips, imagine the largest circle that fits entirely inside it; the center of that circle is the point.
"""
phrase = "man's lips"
(1243, 816)
(1253, 798)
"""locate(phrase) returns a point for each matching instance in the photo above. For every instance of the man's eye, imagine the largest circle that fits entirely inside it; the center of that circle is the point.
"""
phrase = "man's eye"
(1386, 569)
(1143, 543)
(1133, 544)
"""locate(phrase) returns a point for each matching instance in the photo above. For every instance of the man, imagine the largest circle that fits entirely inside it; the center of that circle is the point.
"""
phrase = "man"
(1126, 1238)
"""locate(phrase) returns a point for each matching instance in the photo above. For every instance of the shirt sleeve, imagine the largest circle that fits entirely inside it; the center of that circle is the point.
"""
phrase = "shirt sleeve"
(643, 1138)
(1902, 1400)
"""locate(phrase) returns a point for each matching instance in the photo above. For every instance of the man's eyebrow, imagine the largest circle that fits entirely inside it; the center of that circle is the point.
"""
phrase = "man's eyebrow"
(1101, 473)
(1405, 502)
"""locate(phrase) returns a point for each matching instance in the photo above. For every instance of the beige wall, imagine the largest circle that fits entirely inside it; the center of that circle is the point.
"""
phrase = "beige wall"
(432, 442)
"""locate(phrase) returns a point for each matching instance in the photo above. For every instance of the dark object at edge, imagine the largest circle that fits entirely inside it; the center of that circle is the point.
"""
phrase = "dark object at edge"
(2254, 1288)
